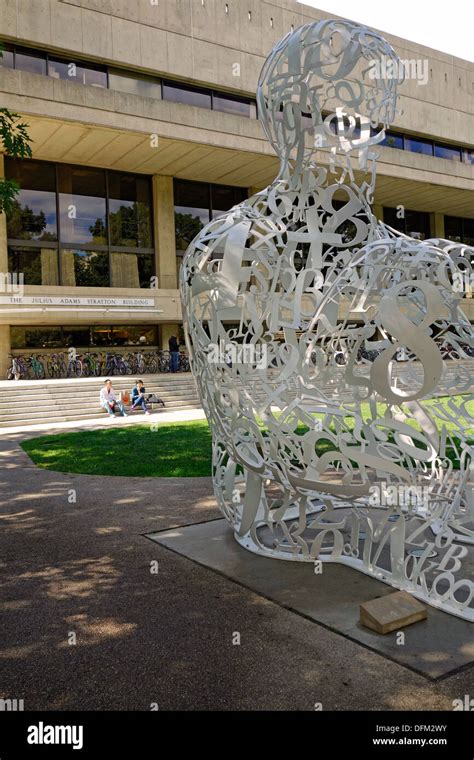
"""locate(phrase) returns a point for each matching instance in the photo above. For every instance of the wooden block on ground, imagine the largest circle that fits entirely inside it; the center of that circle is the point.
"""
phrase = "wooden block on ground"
(392, 612)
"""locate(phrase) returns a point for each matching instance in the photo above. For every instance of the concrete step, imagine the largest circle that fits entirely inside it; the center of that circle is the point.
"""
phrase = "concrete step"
(36, 402)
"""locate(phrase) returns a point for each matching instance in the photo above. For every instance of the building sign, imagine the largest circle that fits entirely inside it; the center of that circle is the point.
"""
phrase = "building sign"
(74, 301)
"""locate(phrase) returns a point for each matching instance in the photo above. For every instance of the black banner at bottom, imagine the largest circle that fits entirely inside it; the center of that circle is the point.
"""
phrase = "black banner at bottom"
(121, 734)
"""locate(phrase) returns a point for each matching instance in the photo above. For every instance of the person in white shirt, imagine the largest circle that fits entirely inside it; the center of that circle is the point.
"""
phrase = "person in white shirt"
(109, 401)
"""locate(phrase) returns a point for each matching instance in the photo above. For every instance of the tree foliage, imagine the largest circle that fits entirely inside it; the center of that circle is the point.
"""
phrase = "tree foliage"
(16, 142)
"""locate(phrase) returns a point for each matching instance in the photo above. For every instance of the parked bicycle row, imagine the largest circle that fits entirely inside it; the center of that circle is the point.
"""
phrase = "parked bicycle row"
(94, 364)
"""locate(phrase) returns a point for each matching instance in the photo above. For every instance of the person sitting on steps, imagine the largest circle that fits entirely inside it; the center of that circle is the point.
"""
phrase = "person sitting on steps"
(138, 397)
(109, 401)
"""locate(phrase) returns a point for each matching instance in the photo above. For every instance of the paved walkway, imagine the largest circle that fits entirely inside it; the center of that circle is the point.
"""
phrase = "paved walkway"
(82, 571)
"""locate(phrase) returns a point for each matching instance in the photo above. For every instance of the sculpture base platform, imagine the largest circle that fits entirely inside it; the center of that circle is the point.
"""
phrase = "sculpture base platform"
(436, 648)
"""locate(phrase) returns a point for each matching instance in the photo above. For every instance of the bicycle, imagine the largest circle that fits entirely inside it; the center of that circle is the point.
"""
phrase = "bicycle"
(74, 367)
(56, 366)
(18, 369)
(37, 368)
(184, 365)
(164, 361)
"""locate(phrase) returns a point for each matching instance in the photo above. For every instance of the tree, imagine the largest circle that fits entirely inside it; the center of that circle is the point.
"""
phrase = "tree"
(16, 143)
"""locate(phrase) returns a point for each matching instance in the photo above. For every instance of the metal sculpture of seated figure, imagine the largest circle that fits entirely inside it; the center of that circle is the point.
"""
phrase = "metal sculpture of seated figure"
(296, 305)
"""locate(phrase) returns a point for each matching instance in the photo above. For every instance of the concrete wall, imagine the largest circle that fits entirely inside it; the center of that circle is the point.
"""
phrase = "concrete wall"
(204, 44)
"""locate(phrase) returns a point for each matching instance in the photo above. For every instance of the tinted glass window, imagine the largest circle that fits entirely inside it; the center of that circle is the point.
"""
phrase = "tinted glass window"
(73, 72)
(129, 210)
(36, 336)
(419, 146)
(33, 216)
(26, 261)
(6, 59)
(82, 205)
(447, 151)
(35, 63)
(224, 197)
(229, 104)
(414, 223)
(468, 156)
(392, 140)
(417, 224)
(90, 268)
(180, 94)
(390, 217)
(145, 86)
(468, 231)
(192, 210)
(76, 335)
(453, 228)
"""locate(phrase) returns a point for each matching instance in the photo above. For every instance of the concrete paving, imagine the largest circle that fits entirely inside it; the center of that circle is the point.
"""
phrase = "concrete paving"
(87, 624)
(434, 647)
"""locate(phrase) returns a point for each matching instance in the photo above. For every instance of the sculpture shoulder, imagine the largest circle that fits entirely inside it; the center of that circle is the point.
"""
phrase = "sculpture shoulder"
(235, 222)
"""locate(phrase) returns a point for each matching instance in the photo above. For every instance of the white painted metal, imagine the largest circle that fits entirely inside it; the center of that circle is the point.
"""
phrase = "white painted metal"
(295, 310)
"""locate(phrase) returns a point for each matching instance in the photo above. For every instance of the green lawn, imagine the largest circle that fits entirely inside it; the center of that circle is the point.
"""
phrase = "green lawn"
(179, 449)
(171, 450)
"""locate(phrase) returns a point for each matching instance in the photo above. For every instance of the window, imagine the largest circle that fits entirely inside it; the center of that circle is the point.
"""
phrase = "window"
(468, 156)
(192, 210)
(36, 336)
(393, 140)
(125, 82)
(124, 335)
(416, 224)
(94, 75)
(417, 145)
(130, 210)
(28, 60)
(223, 198)
(459, 229)
(196, 203)
(83, 269)
(83, 336)
(82, 208)
(231, 104)
(34, 210)
(101, 237)
(189, 95)
(6, 57)
(447, 151)
(453, 228)
(26, 261)
(74, 72)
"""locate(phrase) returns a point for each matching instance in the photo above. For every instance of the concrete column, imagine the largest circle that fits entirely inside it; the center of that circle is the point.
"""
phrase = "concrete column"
(5, 345)
(5, 348)
(49, 266)
(164, 232)
(3, 229)
(437, 225)
(124, 272)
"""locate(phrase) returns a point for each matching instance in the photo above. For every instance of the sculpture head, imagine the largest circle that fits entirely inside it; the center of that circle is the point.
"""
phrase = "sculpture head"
(328, 84)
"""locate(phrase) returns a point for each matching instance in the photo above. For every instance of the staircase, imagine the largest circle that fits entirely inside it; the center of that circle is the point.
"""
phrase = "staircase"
(35, 402)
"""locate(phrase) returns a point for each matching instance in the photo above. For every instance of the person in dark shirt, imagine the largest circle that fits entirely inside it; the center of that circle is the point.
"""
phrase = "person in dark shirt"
(174, 352)
(138, 397)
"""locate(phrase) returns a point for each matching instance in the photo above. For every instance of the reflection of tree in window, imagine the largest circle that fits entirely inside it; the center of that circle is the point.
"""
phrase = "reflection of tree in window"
(24, 224)
(187, 227)
(130, 226)
(98, 232)
(91, 268)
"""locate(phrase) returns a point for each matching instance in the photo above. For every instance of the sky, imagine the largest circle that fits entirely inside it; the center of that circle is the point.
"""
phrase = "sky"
(446, 26)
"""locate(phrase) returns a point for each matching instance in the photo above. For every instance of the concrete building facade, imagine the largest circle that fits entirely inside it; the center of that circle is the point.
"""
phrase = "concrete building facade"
(143, 124)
